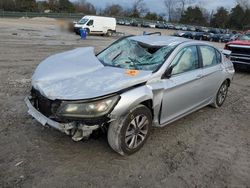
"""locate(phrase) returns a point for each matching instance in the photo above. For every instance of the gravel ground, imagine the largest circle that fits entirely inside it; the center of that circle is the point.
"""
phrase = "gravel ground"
(209, 148)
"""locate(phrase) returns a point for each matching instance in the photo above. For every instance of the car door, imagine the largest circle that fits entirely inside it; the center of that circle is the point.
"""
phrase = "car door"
(91, 26)
(212, 77)
(182, 91)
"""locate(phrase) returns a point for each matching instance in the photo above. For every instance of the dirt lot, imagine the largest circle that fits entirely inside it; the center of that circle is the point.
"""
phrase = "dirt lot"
(209, 148)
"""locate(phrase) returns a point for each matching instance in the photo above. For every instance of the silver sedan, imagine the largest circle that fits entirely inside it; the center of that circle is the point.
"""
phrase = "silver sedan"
(135, 83)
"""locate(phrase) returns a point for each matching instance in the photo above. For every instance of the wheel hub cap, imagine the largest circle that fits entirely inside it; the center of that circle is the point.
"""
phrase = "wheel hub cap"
(137, 131)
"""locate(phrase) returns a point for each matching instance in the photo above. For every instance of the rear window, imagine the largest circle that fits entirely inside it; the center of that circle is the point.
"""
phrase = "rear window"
(209, 56)
(218, 56)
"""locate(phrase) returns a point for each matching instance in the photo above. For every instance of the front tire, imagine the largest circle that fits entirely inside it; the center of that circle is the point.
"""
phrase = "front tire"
(128, 134)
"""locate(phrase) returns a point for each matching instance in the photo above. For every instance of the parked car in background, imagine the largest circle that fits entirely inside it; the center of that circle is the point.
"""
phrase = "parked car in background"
(152, 25)
(235, 36)
(190, 28)
(169, 26)
(134, 23)
(120, 22)
(134, 84)
(177, 27)
(197, 35)
(96, 25)
(160, 26)
(184, 28)
(127, 23)
(226, 37)
(185, 34)
(145, 24)
(202, 29)
(206, 36)
(240, 49)
(216, 37)
(215, 31)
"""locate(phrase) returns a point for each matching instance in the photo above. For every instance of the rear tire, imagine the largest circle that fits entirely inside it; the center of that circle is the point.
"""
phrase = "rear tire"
(221, 95)
(128, 134)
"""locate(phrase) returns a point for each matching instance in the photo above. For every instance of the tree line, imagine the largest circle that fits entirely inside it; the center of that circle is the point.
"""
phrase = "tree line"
(180, 11)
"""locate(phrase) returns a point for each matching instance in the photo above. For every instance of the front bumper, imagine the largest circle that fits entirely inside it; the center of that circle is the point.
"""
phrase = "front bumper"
(77, 30)
(78, 131)
(63, 127)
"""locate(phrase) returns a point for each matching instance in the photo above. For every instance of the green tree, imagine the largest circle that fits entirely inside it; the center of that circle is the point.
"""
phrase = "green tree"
(220, 18)
(85, 7)
(7, 5)
(236, 17)
(138, 8)
(151, 16)
(53, 5)
(246, 20)
(25, 5)
(42, 5)
(193, 15)
(113, 10)
(66, 6)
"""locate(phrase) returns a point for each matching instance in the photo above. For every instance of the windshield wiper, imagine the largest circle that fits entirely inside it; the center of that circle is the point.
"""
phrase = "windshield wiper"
(116, 56)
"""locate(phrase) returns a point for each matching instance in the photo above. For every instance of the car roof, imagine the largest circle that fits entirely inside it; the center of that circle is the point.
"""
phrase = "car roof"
(154, 40)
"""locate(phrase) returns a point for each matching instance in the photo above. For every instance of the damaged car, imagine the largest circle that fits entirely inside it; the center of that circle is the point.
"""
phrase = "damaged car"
(135, 83)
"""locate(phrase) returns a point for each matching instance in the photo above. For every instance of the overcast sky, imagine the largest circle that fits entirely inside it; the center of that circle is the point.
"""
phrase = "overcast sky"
(158, 6)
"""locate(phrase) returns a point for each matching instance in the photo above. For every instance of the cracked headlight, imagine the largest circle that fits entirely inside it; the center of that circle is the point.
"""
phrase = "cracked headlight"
(90, 109)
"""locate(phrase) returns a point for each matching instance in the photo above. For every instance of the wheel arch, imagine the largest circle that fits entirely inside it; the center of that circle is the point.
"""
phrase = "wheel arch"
(132, 98)
(228, 81)
(149, 104)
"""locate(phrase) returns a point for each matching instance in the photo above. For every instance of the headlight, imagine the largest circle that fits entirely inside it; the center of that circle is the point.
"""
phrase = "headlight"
(95, 108)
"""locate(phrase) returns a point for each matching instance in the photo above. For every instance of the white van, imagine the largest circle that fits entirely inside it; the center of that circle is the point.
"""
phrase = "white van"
(96, 25)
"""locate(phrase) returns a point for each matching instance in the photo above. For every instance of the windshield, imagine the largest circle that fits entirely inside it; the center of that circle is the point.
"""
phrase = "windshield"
(130, 54)
(245, 37)
(83, 21)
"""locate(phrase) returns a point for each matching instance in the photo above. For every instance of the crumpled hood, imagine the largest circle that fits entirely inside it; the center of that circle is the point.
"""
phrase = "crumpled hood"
(78, 74)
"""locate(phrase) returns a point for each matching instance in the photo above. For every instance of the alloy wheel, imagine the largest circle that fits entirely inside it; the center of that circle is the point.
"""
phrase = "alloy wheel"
(136, 131)
(222, 93)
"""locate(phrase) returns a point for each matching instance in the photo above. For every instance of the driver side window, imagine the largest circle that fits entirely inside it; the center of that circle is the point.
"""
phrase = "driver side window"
(186, 60)
(90, 23)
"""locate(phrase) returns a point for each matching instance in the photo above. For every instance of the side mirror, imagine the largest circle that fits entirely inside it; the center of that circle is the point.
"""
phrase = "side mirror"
(167, 73)
(227, 53)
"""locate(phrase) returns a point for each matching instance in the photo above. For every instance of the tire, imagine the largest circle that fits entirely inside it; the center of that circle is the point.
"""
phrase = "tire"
(124, 135)
(221, 95)
(88, 31)
(109, 33)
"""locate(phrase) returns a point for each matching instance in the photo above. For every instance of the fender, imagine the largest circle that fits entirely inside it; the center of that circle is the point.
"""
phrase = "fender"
(130, 99)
